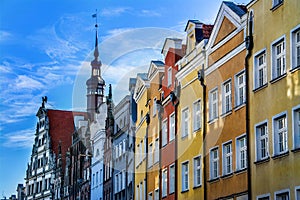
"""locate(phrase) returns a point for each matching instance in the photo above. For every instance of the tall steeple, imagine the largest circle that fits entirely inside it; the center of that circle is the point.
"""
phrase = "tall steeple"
(95, 84)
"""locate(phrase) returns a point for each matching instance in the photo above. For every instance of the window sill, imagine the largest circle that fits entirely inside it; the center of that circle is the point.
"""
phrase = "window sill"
(184, 137)
(171, 192)
(227, 175)
(197, 186)
(274, 80)
(260, 87)
(296, 150)
(295, 69)
(262, 161)
(214, 180)
(276, 6)
(239, 171)
(236, 108)
(212, 120)
(196, 130)
(280, 155)
(184, 191)
(226, 114)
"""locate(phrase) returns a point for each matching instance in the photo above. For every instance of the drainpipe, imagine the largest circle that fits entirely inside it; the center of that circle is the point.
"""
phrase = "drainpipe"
(160, 116)
(249, 47)
(201, 79)
(146, 153)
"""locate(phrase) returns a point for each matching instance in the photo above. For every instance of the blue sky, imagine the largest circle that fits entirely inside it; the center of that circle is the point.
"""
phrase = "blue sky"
(46, 47)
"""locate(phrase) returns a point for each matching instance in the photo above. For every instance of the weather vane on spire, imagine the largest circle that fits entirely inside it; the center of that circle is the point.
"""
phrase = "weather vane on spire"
(95, 16)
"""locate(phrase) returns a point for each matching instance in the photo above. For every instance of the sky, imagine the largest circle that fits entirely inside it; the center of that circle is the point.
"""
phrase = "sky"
(46, 47)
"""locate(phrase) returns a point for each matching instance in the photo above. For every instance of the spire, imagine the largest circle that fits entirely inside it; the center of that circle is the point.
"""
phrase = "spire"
(109, 92)
(96, 51)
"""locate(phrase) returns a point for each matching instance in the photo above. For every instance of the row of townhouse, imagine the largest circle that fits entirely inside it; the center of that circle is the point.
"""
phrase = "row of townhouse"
(219, 117)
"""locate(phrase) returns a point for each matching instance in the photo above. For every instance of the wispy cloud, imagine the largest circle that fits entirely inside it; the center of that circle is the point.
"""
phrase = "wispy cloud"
(112, 12)
(149, 13)
(19, 139)
(5, 35)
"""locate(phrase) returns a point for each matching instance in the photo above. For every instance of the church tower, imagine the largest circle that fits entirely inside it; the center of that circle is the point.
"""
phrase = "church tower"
(95, 84)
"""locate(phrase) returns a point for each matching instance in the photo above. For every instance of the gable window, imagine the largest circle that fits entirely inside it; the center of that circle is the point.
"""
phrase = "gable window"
(214, 163)
(213, 104)
(226, 96)
(296, 127)
(164, 132)
(280, 134)
(262, 147)
(185, 176)
(240, 89)
(164, 182)
(172, 127)
(278, 58)
(169, 76)
(197, 115)
(241, 153)
(260, 71)
(172, 179)
(295, 43)
(227, 158)
(185, 122)
(197, 171)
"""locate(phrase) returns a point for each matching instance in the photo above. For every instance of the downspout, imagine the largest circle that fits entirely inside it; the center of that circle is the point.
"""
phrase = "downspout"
(249, 47)
(146, 153)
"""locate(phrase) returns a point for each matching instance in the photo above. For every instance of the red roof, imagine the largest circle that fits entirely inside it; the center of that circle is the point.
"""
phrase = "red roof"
(61, 128)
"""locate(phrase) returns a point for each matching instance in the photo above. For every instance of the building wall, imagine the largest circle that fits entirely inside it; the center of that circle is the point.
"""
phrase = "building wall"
(275, 173)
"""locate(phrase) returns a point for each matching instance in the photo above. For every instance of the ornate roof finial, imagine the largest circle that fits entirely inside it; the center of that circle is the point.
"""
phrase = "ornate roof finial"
(96, 52)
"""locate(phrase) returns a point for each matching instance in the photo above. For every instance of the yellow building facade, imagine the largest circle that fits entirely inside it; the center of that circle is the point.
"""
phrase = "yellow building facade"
(141, 96)
(189, 135)
(274, 91)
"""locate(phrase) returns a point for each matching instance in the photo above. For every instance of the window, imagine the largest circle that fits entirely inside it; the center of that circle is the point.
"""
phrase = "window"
(278, 58)
(120, 149)
(280, 134)
(169, 76)
(156, 194)
(282, 195)
(137, 191)
(214, 163)
(296, 127)
(141, 191)
(185, 122)
(295, 43)
(123, 179)
(197, 115)
(226, 97)
(240, 89)
(172, 179)
(97, 178)
(185, 176)
(156, 150)
(150, 196)
(150, 155)
(117, 183)
(227, 158)
(172, 127)
(263, 197)
(297, 192)
(213, 104)
(277, 2)
(154, 106)
(260, 71)
(164, 182)
(262, 147)
(197, 171)
(164, 132)
(241, 153)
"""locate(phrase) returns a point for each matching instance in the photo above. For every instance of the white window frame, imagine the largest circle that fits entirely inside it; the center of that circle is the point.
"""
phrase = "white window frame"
(276, 136)
(169, 76)
(197, 171)
(281, 57)
(259, 68)
(156, 194)
(276, 2)
(280, 192)
(172, 127)
(154, 106)
(172, 178)
(213, 104)
(164, 130)
(294, 47)
(259, 138)
(296, 127)
(214, 161)
(150, 155)
(164, 184)
(297, 188)
(185, 118)
(227, 158)
(197, 115)
(240, 89)
(241, 151)
(185, 176)
(226, 97)
(259, 197)
(156, 151)
(150, 196)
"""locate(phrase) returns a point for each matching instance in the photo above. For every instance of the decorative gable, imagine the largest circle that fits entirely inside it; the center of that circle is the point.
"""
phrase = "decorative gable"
(226, 28)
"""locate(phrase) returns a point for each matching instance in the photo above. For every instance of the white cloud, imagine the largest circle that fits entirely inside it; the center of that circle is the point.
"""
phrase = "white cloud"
(5, 35)
(25, 82)
(111, 12)
(149, 13)
(20, 139)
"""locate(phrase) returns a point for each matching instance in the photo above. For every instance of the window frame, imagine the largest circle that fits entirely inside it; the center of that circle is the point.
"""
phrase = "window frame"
(258, 67)
(164, 139)
(164, 182)
(226, 155)
(281, 192)
(213, 115)
(295, 120)
(260, 197)
(275, 139)
(226, 95)
(293, 48)
(275, 57)
(195, 171)
(150, 155)
(238, 86)
(154, 107)
(156, 151)
(239, 149)
(265, 137)
(212, 161)
(197, 120)
(171, 127)
(169, 76)
(172, 188)
(185, 174)
(185, 129)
